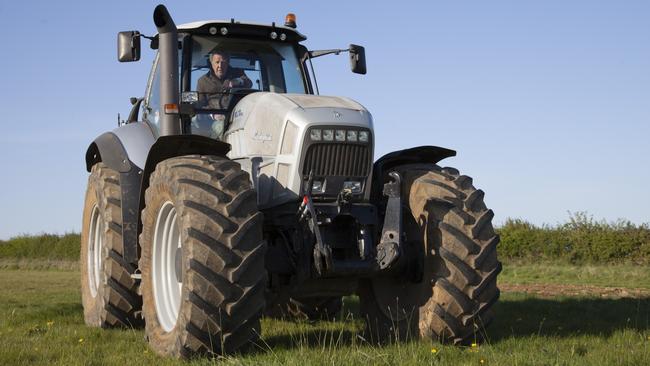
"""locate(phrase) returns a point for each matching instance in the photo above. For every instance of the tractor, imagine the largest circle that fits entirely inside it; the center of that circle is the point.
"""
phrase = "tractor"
(200, 218)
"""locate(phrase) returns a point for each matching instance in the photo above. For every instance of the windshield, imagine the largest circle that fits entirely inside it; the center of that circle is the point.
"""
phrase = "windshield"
(265, 66)
(223, 71)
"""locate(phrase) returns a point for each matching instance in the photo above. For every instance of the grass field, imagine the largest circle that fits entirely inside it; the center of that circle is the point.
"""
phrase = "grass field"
(41, 323)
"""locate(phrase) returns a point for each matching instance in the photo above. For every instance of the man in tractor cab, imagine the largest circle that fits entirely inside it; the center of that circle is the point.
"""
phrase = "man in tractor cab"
(218, 80)
(213, 87)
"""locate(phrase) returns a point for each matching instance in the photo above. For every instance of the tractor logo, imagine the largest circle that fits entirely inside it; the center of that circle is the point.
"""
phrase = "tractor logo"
(337, 115)
(261, 136)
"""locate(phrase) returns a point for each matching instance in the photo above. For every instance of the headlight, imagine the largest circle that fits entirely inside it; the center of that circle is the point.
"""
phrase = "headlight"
(340, 135)
(317, 187)
(363, 136)
(328, 135)
(315, 135)
(352, 136)
(353, 186)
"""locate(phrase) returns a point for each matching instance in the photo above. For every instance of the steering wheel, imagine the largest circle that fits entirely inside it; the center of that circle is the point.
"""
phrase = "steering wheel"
(230, 92)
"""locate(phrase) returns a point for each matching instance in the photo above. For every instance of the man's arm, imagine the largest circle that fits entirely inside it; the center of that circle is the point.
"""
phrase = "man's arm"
(241, 81)
(201, 89)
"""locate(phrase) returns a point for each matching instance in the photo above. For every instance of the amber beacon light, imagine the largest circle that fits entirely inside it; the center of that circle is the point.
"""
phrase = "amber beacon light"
(290, 20)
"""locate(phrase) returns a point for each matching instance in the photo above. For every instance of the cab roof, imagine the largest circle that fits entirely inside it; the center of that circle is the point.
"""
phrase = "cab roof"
(239, 29)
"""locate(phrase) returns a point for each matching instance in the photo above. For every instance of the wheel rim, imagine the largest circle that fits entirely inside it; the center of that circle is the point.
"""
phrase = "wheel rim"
(166, 267)
(95, 244)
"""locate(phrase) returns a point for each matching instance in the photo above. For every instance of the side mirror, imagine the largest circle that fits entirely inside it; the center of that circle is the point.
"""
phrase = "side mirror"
(357, 59)
(128, 46)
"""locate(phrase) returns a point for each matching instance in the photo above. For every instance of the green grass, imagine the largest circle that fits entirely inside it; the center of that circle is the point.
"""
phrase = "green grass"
(612, 275)
(41, 323)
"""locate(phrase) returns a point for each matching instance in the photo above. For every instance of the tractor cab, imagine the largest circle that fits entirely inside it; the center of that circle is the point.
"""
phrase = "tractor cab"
(270, 57)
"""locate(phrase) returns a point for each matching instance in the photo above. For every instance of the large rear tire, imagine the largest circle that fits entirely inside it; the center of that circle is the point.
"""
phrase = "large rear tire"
(203, 274)
(448, 230)
(108, 292)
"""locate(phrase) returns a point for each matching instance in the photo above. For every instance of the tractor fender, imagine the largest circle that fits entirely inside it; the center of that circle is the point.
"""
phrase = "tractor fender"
(415, 155)
(125, 150)
(121, 148)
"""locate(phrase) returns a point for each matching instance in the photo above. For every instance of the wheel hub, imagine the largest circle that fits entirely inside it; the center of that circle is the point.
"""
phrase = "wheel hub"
(167, 267)
(95, 245)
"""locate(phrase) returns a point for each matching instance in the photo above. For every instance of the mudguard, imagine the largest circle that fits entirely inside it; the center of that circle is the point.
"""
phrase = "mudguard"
(133, 151)
(121, 148)
(415, 155)
(125, 150)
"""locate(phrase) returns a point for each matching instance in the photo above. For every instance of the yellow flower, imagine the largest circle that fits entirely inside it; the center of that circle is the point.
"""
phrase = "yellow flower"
(474, 345)
(81, 340)
(433, 350)
(482, 361)
(50, 323)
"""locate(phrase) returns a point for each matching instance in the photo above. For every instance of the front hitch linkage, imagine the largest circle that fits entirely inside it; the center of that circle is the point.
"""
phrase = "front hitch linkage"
(388, 250)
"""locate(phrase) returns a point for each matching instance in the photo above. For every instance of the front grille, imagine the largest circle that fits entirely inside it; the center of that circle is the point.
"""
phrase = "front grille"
(337, 159)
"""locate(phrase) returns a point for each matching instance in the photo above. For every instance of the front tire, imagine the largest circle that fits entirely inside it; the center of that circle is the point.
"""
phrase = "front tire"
(448, 230)
(203, 275)
(108, 292)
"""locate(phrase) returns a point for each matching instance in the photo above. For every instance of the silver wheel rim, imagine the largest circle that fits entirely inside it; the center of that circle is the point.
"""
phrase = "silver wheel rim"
(94, 256)
(166, 267)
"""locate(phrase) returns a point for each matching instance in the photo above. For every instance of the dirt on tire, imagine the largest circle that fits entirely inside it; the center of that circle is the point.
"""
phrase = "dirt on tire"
(222, 265)
(115, 302)
(449, 226)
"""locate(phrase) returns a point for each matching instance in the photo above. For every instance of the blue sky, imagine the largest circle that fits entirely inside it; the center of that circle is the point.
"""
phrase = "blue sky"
(546, 102)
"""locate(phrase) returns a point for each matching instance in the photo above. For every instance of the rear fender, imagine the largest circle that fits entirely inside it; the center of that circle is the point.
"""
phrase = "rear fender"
(415, 155)
(125, 150)
(133, 151)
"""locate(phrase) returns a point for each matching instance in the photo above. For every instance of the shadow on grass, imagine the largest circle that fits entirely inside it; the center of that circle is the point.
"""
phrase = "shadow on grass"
(567, 317)
(313, 338)
(521, 316)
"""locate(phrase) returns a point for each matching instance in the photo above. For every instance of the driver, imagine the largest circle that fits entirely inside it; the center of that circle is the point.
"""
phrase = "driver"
(219, 79)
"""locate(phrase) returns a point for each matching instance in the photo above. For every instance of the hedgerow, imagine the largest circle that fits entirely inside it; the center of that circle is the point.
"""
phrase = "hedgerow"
(579, 240)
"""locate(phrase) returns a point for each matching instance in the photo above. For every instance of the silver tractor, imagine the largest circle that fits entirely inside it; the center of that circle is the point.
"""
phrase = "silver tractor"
(199, 220)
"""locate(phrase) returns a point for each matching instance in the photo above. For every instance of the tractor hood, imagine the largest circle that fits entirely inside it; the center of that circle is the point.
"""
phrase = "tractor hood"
(270, 124)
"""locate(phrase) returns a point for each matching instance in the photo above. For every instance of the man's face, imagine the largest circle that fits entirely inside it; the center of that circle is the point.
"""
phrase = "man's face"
(219, 65)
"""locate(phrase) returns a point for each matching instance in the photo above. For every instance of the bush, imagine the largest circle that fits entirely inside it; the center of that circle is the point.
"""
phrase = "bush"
(580, 240)
(46, 246)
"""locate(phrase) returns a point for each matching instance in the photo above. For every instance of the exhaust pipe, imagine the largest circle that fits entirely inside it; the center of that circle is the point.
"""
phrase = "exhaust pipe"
(168, 61)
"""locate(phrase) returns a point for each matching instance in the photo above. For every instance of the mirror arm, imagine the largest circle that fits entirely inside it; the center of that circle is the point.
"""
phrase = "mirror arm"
(319, 53)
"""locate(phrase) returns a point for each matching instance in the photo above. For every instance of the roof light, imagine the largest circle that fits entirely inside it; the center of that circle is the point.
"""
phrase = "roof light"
(274, 35)
(223, 31)
(283, 36)
(213, 30)
(290, 20)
